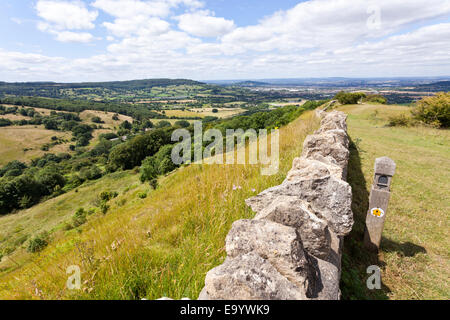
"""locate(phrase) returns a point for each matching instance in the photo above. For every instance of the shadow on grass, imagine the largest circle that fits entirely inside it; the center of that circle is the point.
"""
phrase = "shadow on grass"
(356, 258)
(406, 249)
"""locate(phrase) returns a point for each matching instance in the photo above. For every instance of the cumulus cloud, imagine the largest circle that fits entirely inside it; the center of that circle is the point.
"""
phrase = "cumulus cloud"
(204, 24)
(63, 15)
(313, 38)
(60, 16)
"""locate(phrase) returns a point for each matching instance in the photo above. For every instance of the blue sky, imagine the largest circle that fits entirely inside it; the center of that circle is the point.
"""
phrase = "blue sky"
(97, 40)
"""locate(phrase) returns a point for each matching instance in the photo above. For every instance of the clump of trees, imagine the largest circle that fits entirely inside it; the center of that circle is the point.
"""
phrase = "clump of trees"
(349, 97)
(375, 98)
(130, 154)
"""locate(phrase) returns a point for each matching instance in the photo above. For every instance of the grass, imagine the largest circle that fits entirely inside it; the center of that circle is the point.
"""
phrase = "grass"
(14, 139)
(106, 117)
(51, 215)
(204, 112)
(162, 245)
(415, 249)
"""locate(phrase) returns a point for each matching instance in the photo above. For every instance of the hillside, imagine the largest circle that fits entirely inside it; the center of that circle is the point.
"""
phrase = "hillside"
(164, 244)
(160, 245)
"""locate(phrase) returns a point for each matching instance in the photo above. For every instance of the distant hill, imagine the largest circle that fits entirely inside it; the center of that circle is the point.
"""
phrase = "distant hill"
(436, 86)
(31, 88)
(252, 84)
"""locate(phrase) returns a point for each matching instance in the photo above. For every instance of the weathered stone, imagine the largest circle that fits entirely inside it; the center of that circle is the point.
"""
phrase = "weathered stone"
(249, 277)
(290, 211)
(327, 280)
(333, 120)
(304, 168)
(327, 144)
(292, 248)
(329, 198)
(280, 244)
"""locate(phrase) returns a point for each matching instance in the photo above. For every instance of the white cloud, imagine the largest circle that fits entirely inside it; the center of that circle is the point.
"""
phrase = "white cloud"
(62, 15)
(204, 24)
(69, 36)
(131, 8)
(139, 24)
(314, 38)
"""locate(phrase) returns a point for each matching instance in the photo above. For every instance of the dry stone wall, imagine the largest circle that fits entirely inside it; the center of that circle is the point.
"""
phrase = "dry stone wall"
(292, 249)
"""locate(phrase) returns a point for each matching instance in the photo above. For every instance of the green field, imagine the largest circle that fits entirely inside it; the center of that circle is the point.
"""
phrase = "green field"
(415, 249)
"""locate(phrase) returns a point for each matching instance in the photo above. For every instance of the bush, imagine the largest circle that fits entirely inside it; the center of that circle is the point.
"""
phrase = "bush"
(154, 183)
(434, 110)
(38, 243)
(400, 121)
(182, 123)
(163, 124)
(149, 169)
(375, 98)
(97, 120)
(104, 207)
(79, 218)
(142, 195)
(108, 195)
(349, 97)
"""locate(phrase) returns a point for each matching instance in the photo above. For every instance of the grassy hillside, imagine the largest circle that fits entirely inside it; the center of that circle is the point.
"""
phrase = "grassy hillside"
(162, 245)
(52, 215)
(415, 249)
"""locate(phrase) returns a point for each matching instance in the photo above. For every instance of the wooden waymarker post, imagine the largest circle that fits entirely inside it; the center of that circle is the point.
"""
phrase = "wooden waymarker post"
(378, 202)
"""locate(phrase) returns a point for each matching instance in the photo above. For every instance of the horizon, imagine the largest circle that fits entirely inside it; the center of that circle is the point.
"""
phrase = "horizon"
(113, 40)
(437, 78)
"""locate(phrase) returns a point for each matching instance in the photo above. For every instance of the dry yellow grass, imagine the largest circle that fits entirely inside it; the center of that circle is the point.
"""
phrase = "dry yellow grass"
(14, 117)
(106, 117)
(14, 139)
(204, 112)
(159, 246)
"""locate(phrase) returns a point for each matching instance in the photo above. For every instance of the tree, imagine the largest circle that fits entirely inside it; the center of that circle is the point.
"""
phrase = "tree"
(131, 153)
(50, 179)
(126, 125)
(349, 97)
(149, 169)
(182, 123)
(51, 124)
(163, 124)
(97, 120)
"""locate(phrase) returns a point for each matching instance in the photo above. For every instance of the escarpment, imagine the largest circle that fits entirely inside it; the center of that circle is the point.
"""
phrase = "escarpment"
(292, 248)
